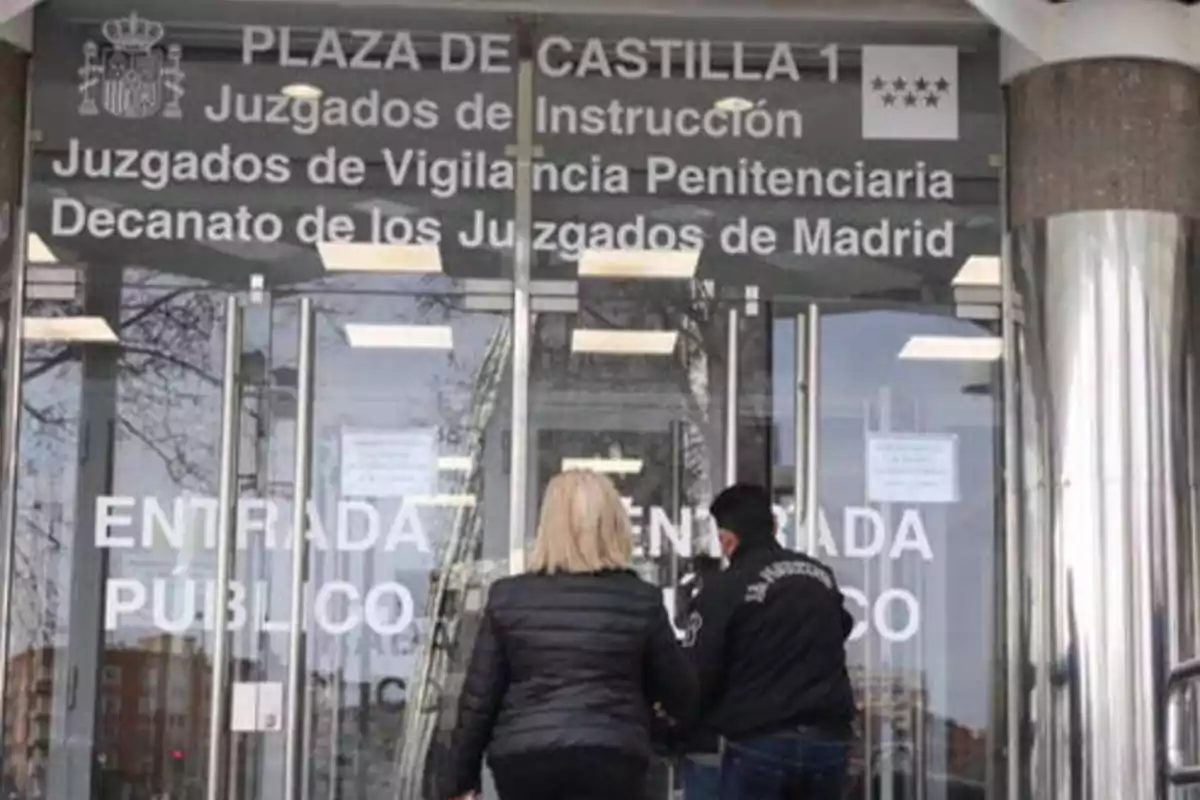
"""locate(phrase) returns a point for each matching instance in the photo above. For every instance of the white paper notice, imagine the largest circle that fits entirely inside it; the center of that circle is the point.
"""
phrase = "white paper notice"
(912, 468)
(389, 463)
(256, 707)
(243, 711)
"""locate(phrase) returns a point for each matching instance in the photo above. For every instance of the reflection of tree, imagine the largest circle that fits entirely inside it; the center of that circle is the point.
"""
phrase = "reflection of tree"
(165, 370)
(454, 578)
(162, 377)
(699, 362)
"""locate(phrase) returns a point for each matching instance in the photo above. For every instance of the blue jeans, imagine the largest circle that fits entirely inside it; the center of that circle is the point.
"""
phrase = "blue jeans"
(788, 766)
(700, 777)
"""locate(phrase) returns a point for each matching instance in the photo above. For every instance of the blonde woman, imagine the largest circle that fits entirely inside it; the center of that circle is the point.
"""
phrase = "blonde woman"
(570, 660)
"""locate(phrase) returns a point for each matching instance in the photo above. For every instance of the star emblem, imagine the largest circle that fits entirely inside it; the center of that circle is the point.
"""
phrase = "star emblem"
(942, 84)
(910, 100)
(889, 99)
(922, 84)
(878, 84)
(931, 100)
(899, 84)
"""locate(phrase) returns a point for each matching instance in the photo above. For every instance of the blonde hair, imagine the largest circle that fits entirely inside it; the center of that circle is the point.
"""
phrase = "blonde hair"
(583, 526)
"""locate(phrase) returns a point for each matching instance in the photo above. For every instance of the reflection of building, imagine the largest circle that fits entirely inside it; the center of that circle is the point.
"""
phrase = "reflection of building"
(151, 712)
(356, 726)
(895, 725)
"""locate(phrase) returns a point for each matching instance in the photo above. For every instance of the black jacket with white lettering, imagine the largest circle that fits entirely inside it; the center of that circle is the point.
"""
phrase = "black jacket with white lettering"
(768, 638)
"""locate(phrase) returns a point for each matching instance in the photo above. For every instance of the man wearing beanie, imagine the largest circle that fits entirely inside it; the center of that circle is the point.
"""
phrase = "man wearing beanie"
(767, 637)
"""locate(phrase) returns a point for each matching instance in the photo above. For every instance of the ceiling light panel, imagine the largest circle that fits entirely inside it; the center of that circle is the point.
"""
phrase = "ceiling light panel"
(606, 466)
(979, 271)
(952, 348)
(67, 329)
(623, 342)
(648, 264)
(364, 257)
(400, 337)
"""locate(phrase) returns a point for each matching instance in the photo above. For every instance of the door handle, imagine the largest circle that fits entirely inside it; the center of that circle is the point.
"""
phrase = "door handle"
(301, 489)
(1180, 772)
(226, 530)
(806, 422)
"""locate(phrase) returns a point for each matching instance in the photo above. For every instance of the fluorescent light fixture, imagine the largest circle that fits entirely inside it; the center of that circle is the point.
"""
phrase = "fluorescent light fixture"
(952, 348)
(403, 337)
(733, 104)
(623, 342)
(302, 91)
(979, 271)
(605, 466)
(639, 263)
(454, 464)
(443, 500)
(366, 257)
(68, 329)
(37, 251)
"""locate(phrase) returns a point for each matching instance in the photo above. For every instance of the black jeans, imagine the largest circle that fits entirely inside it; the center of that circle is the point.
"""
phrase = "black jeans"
(570, 774)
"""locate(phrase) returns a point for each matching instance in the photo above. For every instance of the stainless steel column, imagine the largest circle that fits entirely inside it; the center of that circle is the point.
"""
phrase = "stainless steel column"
(1103, 186)
(293, 757)
(215, 788)
(1106, 297)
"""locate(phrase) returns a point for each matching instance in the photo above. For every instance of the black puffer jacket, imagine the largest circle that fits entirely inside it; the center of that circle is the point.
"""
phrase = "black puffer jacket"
(563, 661)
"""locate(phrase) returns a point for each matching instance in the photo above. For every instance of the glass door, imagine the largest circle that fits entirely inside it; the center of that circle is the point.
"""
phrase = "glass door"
(899, 446)
(630, 380)
(382, 414)
(168, 463)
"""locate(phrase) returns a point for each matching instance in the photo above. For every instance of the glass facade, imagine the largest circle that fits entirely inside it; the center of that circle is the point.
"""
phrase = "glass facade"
(682, 251)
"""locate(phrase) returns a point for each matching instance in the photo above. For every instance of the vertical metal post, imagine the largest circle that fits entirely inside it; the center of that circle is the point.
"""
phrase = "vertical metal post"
(337, 713)
(869, 650)
(14, 367)
(1014, 654)
(886, 703)
(800, 397)
(309, 723)
(731, 400)
(301, 489)
(1191, 582)
(226, 531)
(677, 500)
(1014, 571)
(522, 270)
(812, 425)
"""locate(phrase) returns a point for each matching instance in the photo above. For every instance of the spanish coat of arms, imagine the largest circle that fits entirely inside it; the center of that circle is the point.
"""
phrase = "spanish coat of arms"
(135, 76)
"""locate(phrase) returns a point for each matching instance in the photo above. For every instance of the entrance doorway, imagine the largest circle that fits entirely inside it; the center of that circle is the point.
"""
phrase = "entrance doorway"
(403, 398)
